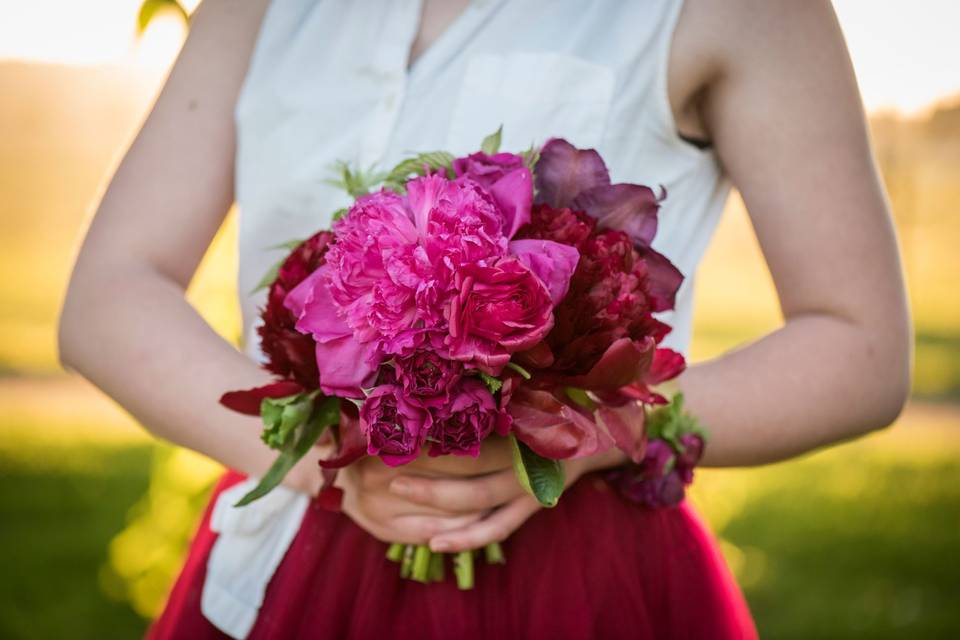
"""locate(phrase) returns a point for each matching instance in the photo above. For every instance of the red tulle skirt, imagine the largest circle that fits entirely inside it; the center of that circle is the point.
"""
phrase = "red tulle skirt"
(595, 566)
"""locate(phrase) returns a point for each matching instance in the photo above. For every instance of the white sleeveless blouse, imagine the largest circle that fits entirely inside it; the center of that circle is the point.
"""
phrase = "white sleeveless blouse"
(329, 81)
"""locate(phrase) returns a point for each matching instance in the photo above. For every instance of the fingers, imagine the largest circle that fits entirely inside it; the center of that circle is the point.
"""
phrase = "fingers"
(493, 528)
(412, 529)
(454, 494)
(495, 454)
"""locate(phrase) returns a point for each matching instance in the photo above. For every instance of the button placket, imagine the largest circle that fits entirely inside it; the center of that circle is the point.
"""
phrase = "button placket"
(389, 73)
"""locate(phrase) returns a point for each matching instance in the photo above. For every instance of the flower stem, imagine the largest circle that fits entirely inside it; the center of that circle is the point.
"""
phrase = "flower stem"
(494, 553)
(463, 568)
(406, 565)
(421, 563)
(395, 552)
(436, 567)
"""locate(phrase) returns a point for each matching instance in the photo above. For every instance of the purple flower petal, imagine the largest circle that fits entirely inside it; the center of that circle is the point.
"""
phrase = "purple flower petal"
(631, 208)
(664, 279)
(564, 171)
(552, 262)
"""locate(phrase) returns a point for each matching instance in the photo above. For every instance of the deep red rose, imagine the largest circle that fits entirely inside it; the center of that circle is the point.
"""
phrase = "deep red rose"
(567, 226)
(289, 353)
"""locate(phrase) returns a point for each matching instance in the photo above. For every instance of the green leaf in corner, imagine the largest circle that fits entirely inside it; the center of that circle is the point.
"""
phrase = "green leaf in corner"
(491, 144)
(542, 477)
(307, 433)
(339, 213)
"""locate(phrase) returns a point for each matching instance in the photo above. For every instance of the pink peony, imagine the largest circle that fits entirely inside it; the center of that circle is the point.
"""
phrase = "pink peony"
(458, 222)
(395, 428)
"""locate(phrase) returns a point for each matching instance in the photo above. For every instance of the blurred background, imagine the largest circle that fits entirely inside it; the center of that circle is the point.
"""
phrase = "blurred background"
(856, 541)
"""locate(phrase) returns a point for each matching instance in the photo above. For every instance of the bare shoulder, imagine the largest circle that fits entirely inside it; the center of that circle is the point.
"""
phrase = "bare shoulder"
(726, 40)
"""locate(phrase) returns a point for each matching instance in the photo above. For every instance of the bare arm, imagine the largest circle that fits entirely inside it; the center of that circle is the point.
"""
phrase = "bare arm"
(125, 324)
(785, 115)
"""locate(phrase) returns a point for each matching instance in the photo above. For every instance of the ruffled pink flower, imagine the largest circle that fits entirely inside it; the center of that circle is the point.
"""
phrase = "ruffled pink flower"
(459, 222)
(500, 309)
(460, 425)
(374, 267)
(395, 428)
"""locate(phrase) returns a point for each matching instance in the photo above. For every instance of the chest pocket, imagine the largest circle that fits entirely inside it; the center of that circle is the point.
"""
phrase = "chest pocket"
(535, 96)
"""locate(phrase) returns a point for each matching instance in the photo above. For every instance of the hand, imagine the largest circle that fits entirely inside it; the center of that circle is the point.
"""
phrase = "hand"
(498, 494)
(390, 517)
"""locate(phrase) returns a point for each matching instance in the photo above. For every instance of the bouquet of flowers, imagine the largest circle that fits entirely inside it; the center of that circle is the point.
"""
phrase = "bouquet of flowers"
(459, 298)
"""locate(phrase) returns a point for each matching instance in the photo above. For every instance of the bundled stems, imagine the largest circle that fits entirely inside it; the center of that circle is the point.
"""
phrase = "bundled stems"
(419, 563)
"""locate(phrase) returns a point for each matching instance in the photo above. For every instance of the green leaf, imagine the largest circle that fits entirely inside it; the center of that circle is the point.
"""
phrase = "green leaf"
(417, 166)
(339, 213)
(669, 422)
(282, 415)
(295, 448)
(356, 182)
(531, 156)
(269, 277)
(541, 477)
(289, 245)
(149, 9)
(493, 384)
(491, 144)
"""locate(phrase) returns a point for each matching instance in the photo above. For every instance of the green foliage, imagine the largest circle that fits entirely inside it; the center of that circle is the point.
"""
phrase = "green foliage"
(296, 438)
(355, 181)
(282, 415)
(493, 384)
(542, 477)
(418, 165)
(670, 421)
(491, 144)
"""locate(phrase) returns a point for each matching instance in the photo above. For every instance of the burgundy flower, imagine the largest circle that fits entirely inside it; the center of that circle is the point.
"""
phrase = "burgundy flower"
(289, 353)
(487, 169)
(395, 427)
(656, 482)
(425, 373)
(460, 425)
(564, 225)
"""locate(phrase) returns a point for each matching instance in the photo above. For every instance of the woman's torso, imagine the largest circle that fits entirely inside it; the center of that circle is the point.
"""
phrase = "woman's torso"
(329, 81)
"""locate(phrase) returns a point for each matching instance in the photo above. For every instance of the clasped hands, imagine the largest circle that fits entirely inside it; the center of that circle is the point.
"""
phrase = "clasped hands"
(452, 503)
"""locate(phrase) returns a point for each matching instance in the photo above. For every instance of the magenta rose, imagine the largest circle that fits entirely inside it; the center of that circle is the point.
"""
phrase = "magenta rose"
(487, 169)
(425, 374)
(394, 427)
(460, 425)
(500, 309)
